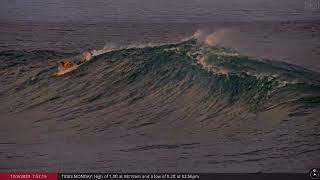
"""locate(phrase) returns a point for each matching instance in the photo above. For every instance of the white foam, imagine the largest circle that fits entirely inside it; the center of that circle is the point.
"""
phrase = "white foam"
(211, 39)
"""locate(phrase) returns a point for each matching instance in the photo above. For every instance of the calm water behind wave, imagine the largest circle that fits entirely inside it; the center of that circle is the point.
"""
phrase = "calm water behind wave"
(158, 11)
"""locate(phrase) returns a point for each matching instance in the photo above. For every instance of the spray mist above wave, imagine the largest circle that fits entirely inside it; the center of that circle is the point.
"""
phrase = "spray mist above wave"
(211, 39)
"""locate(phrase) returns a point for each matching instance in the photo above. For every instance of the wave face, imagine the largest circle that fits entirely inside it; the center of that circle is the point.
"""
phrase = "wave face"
(178, 107)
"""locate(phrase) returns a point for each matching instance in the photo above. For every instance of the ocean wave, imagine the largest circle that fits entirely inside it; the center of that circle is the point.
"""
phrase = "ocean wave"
(193, 75)
(190, 102)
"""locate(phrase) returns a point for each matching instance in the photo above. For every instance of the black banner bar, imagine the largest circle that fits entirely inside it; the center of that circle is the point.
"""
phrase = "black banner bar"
(190, 176)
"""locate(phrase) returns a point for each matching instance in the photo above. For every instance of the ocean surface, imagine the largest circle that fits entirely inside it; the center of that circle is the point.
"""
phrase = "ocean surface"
(177, 86)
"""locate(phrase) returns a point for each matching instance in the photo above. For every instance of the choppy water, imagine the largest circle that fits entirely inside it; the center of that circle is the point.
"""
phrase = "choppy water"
(243, 99)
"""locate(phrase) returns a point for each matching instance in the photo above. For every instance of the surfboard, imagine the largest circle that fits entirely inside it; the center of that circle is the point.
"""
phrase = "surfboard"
(64, 71)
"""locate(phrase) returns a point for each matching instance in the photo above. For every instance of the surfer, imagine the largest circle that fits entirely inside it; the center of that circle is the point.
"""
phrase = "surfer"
(66, 64)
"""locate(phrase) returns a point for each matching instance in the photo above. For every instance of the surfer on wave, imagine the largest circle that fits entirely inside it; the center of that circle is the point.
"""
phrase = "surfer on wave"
(70, 64)
(66, 64)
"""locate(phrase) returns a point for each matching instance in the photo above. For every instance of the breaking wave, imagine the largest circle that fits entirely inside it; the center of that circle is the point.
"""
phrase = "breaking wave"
(189, 74)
